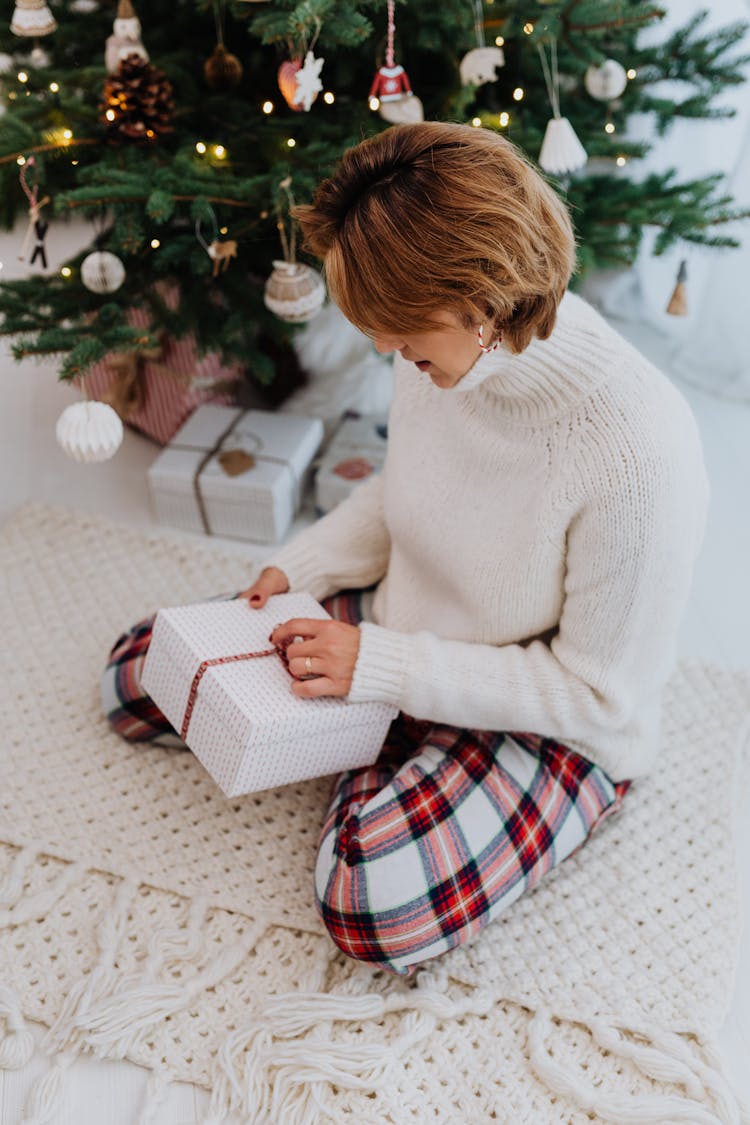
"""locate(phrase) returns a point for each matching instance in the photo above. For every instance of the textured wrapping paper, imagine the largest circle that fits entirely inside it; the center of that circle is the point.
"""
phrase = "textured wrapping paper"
(237, 474)
(246, 727)
(356, 451)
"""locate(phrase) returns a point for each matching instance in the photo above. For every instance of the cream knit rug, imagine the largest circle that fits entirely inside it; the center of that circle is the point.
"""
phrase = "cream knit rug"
(144, 915)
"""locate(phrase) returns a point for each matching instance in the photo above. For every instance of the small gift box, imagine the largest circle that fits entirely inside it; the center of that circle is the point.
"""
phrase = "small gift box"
(212, 671)
(355, 452)
(235, 473)
(155, 389)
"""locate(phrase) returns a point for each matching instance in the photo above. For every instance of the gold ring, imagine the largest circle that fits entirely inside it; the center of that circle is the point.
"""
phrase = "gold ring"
(308, 664)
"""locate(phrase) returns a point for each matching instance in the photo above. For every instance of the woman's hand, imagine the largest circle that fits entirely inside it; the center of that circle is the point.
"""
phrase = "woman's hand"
(327, 653)
(270, 581)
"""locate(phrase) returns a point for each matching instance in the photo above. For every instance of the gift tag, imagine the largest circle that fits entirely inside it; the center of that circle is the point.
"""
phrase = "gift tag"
(234, 462)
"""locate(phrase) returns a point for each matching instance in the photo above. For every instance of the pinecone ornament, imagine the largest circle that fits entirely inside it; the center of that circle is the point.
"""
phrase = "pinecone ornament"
(137, 102)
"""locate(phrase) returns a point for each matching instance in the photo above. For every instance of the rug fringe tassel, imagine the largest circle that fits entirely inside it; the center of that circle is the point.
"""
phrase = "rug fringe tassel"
(154, 1096)
(665, 1058)
(11, 887)
(116, 1022)
(268, 1071)
(46, 1096)
(17, 1043)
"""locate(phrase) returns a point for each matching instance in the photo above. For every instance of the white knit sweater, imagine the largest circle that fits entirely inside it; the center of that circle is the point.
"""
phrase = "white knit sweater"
(533, 536)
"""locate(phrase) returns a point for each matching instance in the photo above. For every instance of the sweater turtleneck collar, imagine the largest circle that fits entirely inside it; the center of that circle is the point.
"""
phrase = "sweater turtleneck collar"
(549, 376)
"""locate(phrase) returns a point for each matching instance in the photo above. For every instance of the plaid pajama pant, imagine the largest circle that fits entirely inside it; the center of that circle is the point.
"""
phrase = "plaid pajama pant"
(422, 850)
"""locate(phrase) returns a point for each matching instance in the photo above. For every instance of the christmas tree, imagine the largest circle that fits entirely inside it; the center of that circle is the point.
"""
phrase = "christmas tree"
(187, 146)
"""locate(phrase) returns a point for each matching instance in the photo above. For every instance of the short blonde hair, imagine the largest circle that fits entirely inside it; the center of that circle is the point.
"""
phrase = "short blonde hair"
(442, 216)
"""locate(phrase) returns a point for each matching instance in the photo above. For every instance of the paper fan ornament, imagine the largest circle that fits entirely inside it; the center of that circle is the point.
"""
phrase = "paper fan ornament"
(561, 152)
(481, 64)
(89, 431)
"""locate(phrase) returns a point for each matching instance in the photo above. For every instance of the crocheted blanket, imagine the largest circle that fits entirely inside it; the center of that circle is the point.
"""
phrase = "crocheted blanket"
(144, 915)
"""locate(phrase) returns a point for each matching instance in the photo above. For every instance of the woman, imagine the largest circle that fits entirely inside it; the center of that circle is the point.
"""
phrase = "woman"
(512, 581)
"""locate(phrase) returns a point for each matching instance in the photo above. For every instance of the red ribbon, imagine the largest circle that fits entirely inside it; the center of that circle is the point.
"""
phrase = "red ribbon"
(279, 650)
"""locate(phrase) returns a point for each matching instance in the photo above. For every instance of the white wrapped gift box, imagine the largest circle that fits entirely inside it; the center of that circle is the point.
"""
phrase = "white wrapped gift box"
(356, 451)
(235, 473)
(240, 717)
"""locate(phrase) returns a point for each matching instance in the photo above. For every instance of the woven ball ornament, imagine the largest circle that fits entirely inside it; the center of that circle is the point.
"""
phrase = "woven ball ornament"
(102, 272)
(605, 82)
(89, 431)
(294, 292)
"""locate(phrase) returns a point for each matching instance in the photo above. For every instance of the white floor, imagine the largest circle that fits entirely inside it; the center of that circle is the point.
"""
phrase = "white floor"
(716, 628)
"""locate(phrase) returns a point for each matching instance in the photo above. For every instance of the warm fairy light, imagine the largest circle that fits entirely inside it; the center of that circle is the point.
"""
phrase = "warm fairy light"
(23, 76)
(264, 214)
(20, 160)
(155, 244)
(621, 161)
(110, 115)
(329, 98)
(518, 94)
(374, 103)
(499, 41)
(528, 28)
(476, 122)
(150, 134)
(268, 107)
(74, 162)
(609, 127)
(54, 87)
(200, 147)
(504, 120)
(68, 134)
(291, 142)
(220, 151)
(632, 73)
(12, 96)
(66, 271)
(223, 230)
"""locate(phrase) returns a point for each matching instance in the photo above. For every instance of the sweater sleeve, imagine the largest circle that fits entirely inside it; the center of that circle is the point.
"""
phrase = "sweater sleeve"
(629, 561)
(349, 547)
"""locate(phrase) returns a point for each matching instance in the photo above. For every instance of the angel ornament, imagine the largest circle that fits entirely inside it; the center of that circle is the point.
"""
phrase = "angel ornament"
(37, 227)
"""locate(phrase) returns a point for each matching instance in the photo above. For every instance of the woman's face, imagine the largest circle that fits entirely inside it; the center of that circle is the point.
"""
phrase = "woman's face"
(445, 354)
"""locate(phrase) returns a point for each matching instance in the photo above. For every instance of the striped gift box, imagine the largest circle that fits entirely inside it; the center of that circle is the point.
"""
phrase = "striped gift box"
(166, 387)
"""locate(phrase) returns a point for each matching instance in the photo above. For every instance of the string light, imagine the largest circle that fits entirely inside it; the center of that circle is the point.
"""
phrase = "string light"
(621, 161)
(74, 162)
(264, 214)
(518, 94)
(23, 76)
(504, 120)
(54, 87)
(328, 98)
(223, 230)
(374, 103)
(291, 142)
(609, 127)
(220, 151)
(632, 73)
(476, 122)
(499, 41)
(528, 28)
(12, 96)
(68, 134)
(66, 271)
(110, 115)
(200, 147)
(20, 160)
(267, 107)
(155, 244)
(150, 134)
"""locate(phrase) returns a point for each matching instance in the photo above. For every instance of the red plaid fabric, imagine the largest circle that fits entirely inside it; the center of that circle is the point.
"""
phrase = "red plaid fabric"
(422, 850)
